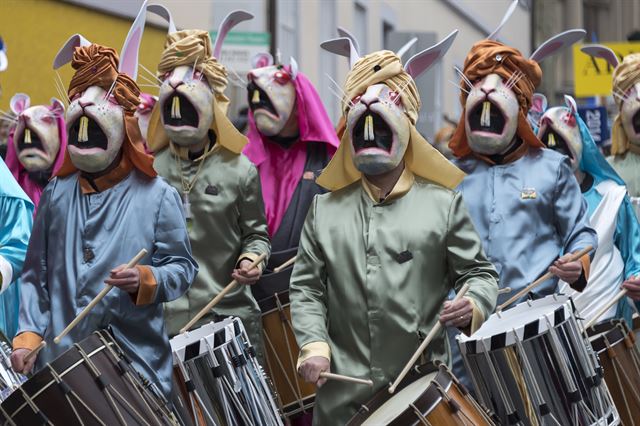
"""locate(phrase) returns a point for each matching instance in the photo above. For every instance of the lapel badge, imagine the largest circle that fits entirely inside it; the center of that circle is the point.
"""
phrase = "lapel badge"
(528, 194)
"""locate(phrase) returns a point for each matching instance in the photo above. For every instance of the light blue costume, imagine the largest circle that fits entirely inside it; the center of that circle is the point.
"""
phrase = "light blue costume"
(78, 238)
(16, 218)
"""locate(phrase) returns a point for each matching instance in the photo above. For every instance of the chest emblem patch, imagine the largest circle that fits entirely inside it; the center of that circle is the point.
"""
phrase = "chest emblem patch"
(528, 194)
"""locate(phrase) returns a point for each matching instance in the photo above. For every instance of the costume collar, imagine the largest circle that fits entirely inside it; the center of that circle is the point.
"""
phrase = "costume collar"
(402, 186)
(510, 157)
(116, 175)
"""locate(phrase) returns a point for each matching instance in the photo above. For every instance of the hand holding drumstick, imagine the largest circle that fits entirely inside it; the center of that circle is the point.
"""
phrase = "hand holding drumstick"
(316, 370)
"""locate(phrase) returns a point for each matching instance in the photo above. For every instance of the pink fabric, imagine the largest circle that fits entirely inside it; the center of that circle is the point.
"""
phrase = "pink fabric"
(281, 169)
(32, 189)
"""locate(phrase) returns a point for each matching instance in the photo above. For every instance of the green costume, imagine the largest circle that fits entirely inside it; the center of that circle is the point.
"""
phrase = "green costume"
(370, 279)
(628, 167)
(228, 224)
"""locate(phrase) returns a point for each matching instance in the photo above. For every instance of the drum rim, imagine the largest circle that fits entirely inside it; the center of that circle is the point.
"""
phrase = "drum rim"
(61, 374)
(601, 341)
(188, 338)
(538, 326)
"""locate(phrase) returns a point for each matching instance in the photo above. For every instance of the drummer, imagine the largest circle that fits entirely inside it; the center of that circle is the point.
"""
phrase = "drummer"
(379, 254)
(103, 206)
(291, 139)
(617, 260)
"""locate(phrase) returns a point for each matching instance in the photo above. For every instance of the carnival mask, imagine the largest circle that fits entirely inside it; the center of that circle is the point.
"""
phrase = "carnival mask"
(379, 130)
(272, 98)
(37, 137)
(630, 113)
(491, 115)
(95, 128)
(560, 132)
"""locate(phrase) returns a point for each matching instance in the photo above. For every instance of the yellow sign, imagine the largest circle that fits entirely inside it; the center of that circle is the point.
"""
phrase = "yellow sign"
(592, 76)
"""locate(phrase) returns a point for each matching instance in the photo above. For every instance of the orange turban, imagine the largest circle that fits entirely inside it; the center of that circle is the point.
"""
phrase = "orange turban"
(492, 57)
(97, 65)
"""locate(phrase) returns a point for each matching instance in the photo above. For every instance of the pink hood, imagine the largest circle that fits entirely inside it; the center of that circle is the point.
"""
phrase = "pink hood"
(281, 169)
(33, 189)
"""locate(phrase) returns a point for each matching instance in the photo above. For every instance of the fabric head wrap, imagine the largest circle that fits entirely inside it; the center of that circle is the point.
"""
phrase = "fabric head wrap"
(626, 74)
(592, 160)
(190, 47)
(492, 57)
(97, 65)
(420, 158)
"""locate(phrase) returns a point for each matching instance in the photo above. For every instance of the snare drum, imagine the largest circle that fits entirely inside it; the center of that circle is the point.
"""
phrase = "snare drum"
(531, 365)
(620, 359)
(91, 383)
(222, 378)
(294, 395)
(430, 396)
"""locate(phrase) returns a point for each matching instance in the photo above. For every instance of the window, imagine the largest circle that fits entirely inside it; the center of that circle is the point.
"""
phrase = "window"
(328, 60)
(360, 27)
(287, 32)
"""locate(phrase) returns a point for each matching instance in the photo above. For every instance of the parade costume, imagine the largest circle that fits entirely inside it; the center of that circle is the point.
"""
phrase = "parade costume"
(36, 145)
(288, 166)
(89, 223)
(373, 269)
(16, 210)
(220, 186)
(612, 216)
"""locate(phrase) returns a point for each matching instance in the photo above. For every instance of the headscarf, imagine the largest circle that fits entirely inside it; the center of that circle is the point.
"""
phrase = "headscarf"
(97, 65)
(31, 187)
(190, 47)
(626, 74)
(281, 169)
(420, 158)
(492, 57)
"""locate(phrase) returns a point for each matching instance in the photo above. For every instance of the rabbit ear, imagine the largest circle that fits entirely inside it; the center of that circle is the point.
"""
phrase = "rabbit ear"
(65, 54)
(230, 21)
(4, 62)
(571, 104)
(557, 43)
(19, 102)
(600, 51)
(404, 49)
(164, 13)
(539, 103)
(129, 53)
(261, 60)
(294, 67)
(343, 47)
(343, 32)
(57, 107)
(422, 61)
(505, 18)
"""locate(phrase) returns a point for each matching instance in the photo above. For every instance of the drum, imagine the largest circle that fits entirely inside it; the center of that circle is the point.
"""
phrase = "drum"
(429, 395)
(531, 365)
(223, 382)
(620, 360)
(91, 383)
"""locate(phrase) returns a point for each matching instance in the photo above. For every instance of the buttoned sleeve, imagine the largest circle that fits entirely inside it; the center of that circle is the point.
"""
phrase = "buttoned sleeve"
(253, 225)
(308, 292)
(467, 263)
(172, 268)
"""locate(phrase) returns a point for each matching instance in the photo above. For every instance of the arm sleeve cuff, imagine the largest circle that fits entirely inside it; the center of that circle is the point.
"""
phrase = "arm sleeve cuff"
(581, 283)
(477, 318)
(314, 349)
(6, 274)
(148, 286)
(251, 257)
(27, 340)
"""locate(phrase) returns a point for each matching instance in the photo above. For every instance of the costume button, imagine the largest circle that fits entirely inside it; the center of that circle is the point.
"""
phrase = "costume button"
(87, 255)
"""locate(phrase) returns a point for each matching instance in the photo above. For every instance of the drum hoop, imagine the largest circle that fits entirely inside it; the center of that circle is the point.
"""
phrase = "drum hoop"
(61, 374)
(181, 342)
(534, 328)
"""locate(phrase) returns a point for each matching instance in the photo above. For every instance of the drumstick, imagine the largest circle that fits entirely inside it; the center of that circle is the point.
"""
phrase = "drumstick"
(574, 256)
(35, 351)
(219, 296)
(435, 330)
(285, 264)
(606, 307)
(504, 290)
(348, 379)
(107, 288)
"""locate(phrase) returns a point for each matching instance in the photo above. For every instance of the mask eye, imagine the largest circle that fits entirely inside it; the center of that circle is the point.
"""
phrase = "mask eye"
(165, 76)
(282, 77)
(356, 100)
(76, 96)
(394, 97)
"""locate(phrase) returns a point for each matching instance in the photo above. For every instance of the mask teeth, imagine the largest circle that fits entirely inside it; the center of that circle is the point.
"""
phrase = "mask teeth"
(83, 135)
(368, 128)
(551, 142)
(27, 136)
(485, 117)
(175, 108)
(256, 97)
